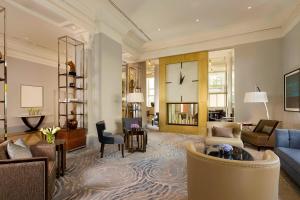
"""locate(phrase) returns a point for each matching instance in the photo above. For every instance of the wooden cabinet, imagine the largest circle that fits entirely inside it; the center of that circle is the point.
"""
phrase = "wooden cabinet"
(75, 138)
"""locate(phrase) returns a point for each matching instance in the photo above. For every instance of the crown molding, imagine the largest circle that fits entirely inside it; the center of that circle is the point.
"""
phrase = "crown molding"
(21, 49)
(214, 43)
(291, 21)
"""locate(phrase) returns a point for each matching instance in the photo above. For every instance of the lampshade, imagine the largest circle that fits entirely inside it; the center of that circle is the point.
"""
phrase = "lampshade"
(255, 97)
(135, 98)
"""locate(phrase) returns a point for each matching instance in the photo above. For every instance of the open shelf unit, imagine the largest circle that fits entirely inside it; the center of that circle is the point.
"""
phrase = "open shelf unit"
(71, 92)
(3, 72)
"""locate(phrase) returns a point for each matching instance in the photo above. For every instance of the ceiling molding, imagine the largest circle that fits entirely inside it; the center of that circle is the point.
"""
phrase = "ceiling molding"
(292, 21)
(28, 51)
(215, 43)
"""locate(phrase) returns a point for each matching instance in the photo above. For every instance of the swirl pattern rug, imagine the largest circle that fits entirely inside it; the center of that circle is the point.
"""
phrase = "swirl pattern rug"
(159, 173)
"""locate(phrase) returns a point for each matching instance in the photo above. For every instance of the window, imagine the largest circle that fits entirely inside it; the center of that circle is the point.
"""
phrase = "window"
(150, 91)
(217, 89)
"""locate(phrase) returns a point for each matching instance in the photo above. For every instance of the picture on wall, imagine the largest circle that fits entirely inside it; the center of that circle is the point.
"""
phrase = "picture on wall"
(292, 91)
(132, 79)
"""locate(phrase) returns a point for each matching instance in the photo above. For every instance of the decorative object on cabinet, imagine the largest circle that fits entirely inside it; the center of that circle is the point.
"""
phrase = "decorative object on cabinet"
(257, 97)
(71, 95)
(292, 91)
(184, 114)
(3, 75)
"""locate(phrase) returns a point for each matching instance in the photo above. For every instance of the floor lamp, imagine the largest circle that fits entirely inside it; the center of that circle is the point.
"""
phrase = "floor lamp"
(135, 99)
(257, 97)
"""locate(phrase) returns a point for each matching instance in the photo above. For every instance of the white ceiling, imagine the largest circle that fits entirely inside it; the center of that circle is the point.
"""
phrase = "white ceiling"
(177, 18)
(41, 22)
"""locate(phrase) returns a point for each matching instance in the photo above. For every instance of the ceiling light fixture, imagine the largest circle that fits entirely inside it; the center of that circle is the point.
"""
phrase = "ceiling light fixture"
(74, 27)
(249, 7)
(197, 20)
(158, 29)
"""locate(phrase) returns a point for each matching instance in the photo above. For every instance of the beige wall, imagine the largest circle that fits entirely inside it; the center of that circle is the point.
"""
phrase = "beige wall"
(29, 73)
(258, 64)
(290, 61)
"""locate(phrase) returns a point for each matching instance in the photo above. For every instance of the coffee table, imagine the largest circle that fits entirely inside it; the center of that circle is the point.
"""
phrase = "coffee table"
(236, 154)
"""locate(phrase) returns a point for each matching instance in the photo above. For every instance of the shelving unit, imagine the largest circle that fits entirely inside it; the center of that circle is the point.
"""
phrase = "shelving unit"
(3, 74)
(71, 92)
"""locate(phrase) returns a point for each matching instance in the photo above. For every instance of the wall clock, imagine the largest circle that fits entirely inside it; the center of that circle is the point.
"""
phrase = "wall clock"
(182, 82)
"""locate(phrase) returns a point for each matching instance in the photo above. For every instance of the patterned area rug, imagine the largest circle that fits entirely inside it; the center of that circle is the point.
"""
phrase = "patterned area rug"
(160, 173)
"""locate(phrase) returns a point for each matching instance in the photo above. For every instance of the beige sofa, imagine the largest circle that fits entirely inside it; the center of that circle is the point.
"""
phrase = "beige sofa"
(31, 178)
(235, 141)
(212, 178)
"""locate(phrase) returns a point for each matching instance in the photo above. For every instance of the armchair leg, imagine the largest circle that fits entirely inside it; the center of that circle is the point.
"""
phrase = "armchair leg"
(122, 150)
(102, 150)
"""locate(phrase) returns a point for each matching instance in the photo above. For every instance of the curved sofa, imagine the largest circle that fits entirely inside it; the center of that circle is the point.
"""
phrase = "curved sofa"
(212, 178)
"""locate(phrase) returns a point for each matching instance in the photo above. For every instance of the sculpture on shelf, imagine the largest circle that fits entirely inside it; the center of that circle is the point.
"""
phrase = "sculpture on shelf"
(72, 68)
(72, 123)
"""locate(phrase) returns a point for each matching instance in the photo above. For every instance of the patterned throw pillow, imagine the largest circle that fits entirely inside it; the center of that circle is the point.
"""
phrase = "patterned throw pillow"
(16, 151)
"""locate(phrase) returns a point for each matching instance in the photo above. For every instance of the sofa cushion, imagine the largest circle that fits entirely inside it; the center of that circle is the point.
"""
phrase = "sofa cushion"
(17, 152)
(295, 139)
(226, 132)
(290, 156)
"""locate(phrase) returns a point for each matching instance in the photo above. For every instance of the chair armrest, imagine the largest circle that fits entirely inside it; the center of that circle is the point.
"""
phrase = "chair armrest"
(24, 178)
(44, 150)
(282, 138)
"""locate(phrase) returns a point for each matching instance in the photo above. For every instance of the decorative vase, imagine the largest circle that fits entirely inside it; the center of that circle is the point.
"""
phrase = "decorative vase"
(50, 138)
(72, 123)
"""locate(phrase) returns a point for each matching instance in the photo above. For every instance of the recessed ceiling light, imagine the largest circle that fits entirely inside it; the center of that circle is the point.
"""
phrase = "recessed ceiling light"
(249, 7)
(158, 29)
(74, 27)
(197, 20)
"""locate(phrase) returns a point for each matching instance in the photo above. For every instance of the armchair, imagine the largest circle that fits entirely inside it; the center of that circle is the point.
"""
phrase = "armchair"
(235, 140)
(31, 178)
(262, 135)
(108, 138)
(209, 177)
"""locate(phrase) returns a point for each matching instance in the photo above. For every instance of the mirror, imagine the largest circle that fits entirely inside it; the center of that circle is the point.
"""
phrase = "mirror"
(31, 96)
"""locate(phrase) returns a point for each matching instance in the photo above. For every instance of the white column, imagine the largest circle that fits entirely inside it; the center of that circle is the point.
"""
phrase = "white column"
(104, 85)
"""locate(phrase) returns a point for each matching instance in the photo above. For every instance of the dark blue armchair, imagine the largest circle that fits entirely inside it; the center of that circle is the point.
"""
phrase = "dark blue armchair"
(287, 147)
(108, 138)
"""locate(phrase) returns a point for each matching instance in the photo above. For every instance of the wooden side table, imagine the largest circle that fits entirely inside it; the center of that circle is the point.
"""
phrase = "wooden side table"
(61, 157)
(141, 140)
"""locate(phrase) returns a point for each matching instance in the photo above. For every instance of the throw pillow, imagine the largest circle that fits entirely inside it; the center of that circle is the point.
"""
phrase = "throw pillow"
(267, 129)
(21, 143)
(3, 150)
(18, 152)
(226, 132)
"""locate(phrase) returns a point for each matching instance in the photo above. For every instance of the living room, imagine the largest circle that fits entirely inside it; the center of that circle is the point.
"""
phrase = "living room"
(136, 99)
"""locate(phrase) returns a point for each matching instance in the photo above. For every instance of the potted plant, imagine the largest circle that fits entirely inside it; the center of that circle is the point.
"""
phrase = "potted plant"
(50, 133)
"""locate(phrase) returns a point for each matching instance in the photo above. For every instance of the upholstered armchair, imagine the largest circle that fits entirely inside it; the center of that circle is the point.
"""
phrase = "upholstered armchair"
(216, 178)
(108, 138)
(31, 178)
(235, 140)
(262, 135)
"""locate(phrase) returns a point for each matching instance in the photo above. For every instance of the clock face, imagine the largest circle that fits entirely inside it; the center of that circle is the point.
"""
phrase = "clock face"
(182, 82)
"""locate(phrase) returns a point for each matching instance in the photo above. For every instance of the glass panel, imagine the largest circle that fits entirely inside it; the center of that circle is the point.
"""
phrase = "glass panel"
(217, 82)
(183, 114)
